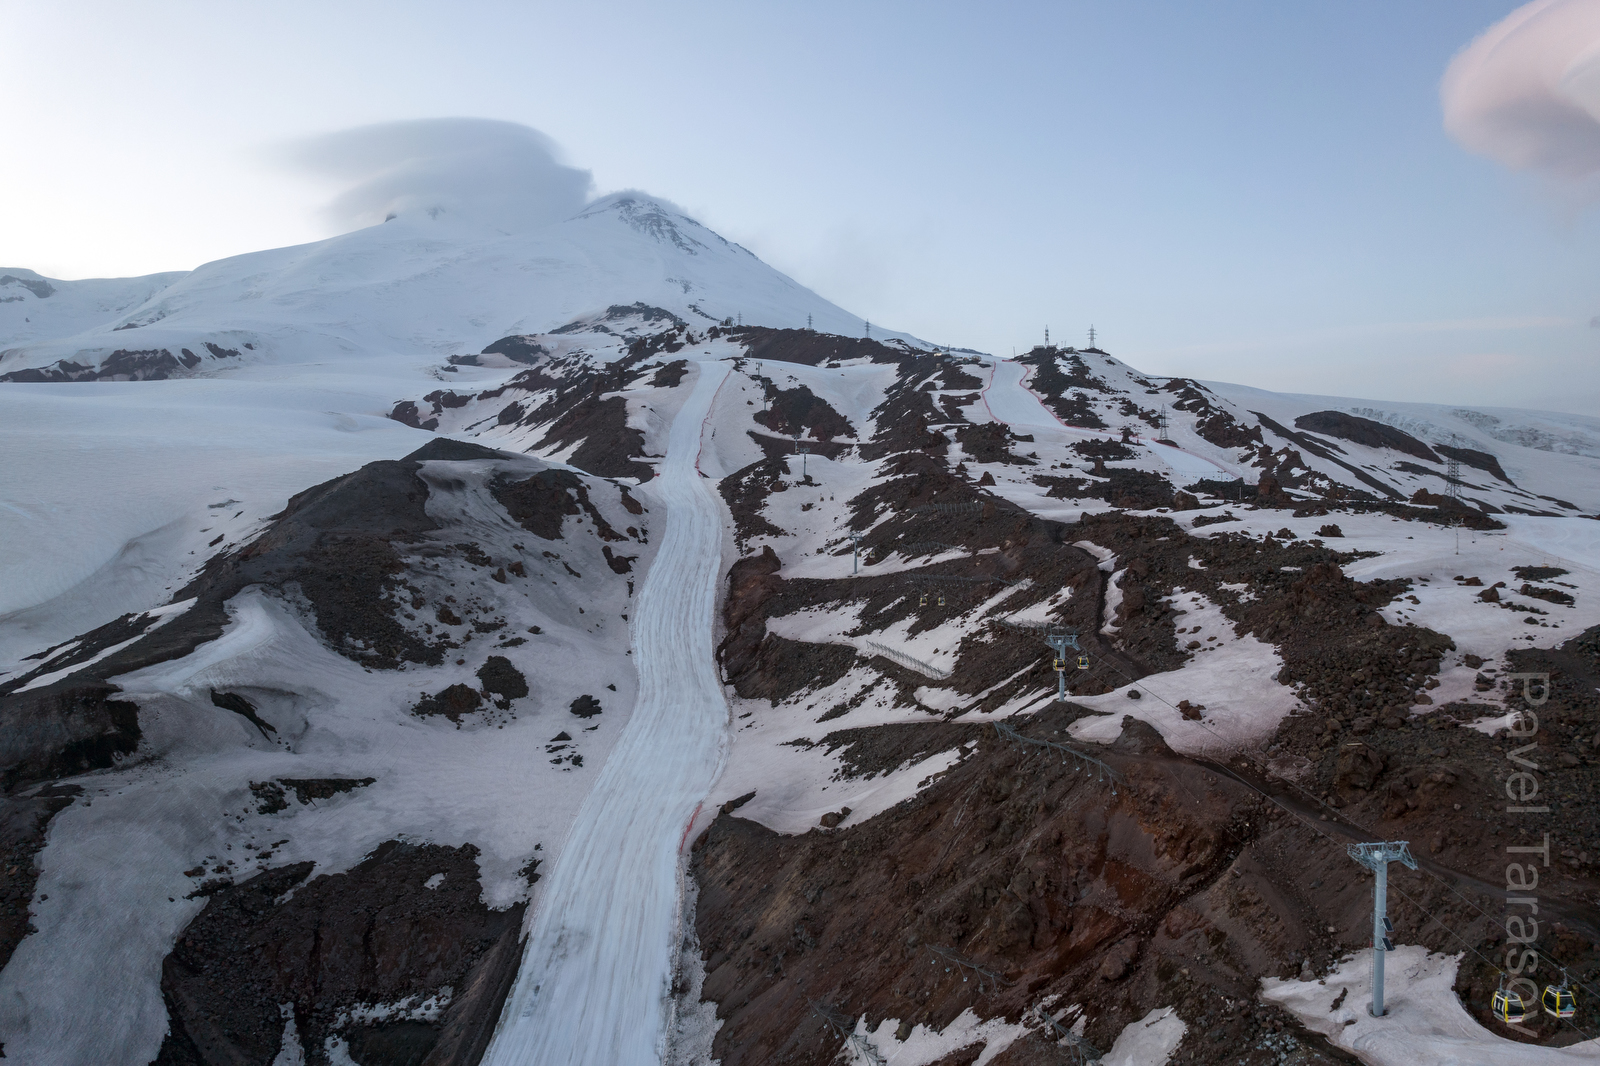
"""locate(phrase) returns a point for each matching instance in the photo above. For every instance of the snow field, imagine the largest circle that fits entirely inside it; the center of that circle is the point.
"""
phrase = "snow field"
(436, 286)
(105, 502)
(594, 985)
(1424, 1023)
(1569, 476)
(1150, 1041)
(113, 862)
(114, 859)
(1234, 677)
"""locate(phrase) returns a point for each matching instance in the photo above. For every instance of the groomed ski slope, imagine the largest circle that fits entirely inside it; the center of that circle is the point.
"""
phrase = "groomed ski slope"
(594, 981)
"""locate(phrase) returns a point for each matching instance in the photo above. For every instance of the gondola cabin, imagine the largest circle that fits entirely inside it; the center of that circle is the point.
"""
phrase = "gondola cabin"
(1558, 1001)
(1508, 1006)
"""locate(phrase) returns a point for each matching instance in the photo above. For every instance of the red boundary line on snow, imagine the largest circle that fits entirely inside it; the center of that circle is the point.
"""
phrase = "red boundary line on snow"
(709, 412)
(685, 838)
(994, 368)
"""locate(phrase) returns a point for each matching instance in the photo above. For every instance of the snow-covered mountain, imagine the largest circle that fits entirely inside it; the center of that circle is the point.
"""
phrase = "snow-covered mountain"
(358, 701)
(419, 284)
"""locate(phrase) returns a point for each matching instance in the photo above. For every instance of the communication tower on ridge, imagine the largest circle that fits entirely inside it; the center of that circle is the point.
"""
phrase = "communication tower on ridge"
(1091, 336)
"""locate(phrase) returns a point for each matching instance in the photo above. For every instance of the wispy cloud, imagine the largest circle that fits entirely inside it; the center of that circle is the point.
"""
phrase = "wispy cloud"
(1526, 93)
(471, 168)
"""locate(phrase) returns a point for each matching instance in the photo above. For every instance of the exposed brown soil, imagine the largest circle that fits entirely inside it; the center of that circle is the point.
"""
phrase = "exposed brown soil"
(1192, 883)
(540, 503)
(1470, 457)
(373, 935)
(806, 347)
(1041, 883)
(745, 491)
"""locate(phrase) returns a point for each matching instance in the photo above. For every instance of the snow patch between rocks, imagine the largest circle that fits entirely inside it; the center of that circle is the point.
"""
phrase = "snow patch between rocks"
(1424, 1024)
(1150, 1041)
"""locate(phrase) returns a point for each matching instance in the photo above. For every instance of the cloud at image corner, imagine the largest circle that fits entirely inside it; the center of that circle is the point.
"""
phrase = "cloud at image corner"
(1526, 92)
(477, 170)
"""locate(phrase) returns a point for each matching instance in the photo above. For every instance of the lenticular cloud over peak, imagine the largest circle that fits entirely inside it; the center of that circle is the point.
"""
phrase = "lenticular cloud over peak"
(1527, 92)
(473, 169)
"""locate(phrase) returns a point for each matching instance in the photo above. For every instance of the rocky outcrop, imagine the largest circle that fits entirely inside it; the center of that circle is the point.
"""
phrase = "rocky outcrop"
(406, 924)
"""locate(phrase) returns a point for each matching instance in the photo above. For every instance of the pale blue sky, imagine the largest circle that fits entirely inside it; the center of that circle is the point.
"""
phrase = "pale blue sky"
(1250, 191)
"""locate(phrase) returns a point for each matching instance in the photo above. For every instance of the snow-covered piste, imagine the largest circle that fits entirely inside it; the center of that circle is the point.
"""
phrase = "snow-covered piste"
(594, 987)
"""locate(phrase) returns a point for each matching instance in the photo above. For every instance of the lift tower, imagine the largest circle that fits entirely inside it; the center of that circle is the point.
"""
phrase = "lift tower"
(1376, 857)
(1060, 642)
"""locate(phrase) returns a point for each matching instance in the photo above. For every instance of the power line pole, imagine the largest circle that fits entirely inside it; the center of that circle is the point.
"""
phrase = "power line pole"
(1163, 425)
(1377, 857)
(868, 327)
(1047, 336)
(1091, 336)
(855, 561)
(808, 323)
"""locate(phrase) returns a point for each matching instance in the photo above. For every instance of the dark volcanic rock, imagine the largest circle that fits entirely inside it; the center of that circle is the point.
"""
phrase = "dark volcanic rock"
(501, 679)
(153, 364)
(608, 442)
(309, 789)
(335, 542)
(453, 702)
(1030, 872)
(521, 349)
(795, 411)
(232, 701)
(1365, 431)
(539, 503)
(64, 729)
(23, 822)
(990, 443)
(376, 934)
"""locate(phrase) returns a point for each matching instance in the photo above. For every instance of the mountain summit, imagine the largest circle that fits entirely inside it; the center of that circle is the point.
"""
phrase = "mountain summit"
(424, 283)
